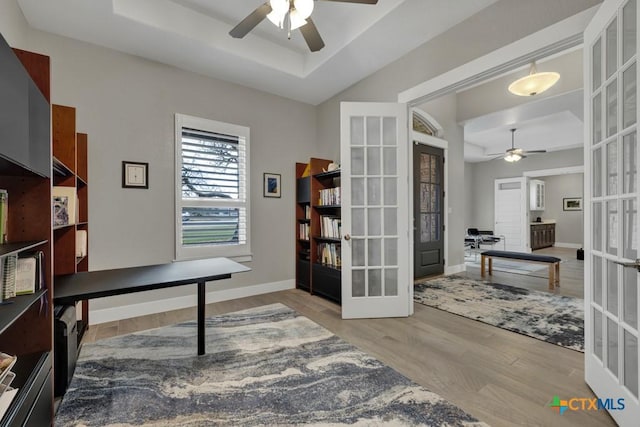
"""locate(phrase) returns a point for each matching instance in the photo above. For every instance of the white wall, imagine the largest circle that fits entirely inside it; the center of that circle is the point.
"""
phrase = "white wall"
(569, 224)
(126, 105)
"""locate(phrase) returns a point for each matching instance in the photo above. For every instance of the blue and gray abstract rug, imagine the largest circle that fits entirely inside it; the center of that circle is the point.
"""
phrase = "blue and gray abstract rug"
(548, 317)
(264, 366)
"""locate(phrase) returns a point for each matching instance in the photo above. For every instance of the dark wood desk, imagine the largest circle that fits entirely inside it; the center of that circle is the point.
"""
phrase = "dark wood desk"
(105, 283)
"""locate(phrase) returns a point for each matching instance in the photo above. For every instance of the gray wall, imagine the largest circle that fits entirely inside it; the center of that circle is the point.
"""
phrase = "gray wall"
(485, 173)
(480, 34)
(126, 105)
(568, 223)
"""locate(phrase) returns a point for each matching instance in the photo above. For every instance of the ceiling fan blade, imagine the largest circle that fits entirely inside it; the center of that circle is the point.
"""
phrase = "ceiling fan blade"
(250, 22)
(355, 1)
(535, 151)
(312, 36)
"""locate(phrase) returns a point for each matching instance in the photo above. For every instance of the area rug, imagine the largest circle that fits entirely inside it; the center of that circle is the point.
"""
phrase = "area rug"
(264, 366)
(548, 317)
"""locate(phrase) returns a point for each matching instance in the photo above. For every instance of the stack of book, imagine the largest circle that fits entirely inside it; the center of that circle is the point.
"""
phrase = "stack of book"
(7, 393)
(304, 231)
(329, 255)
(329, 197)
(4, 214)
(330, 226)
(21, 275)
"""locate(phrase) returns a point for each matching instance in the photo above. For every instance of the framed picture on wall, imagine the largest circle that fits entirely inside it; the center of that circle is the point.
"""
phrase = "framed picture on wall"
(271, 185)
(572, 204)
(135, 175)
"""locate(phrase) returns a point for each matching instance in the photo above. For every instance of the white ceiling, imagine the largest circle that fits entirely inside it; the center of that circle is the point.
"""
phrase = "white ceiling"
(193, 35)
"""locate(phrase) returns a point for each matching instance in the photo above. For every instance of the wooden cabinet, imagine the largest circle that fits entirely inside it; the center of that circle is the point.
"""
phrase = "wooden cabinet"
(536, 202)
(70, 172)
(542, 236)
(318, 212)
(25, 159)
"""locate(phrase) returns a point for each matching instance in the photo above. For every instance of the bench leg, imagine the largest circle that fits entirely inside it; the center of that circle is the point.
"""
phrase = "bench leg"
(490, 266)
(557, 266)
(482, 259)
(552, 279)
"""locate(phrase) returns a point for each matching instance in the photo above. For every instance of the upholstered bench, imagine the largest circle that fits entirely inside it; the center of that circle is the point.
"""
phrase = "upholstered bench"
(554, 263)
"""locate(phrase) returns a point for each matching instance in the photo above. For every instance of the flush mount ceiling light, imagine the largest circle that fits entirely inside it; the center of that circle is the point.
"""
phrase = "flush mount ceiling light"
(299, 11)
(534, 83)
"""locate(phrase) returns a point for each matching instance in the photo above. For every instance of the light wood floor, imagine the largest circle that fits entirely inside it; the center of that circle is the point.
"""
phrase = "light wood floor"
(500, 377)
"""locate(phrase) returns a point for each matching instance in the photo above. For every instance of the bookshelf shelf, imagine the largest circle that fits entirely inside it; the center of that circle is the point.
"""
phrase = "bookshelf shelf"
(327, 239)
(33, 376)
(17, 247)
(12, 309)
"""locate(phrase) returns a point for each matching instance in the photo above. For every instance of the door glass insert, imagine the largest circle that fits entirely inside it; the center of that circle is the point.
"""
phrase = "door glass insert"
(357, 161)
(357, 221)
(612, 346)
(374, 192)
(629, 168)
(612, 48)
(597, 172)
(391, 281)
(597, 333)
(357, 131)
(358, 286)
(391, 251)
(597, 229)
(375, 282)
(629, 96)
(630, 297)
(374, 252)
(612, 108)
(612, 227)
(373, 160)
(597, 64)
(597, 280)
(373, 131)
(629, 31)
(612, 287)
(612, 168)
(374, 222)
(597, 119)
(629, 229)
(630, 364)
(358, 252)
(357, 191)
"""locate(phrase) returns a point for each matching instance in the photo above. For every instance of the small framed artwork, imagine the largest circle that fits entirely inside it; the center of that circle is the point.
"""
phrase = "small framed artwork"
(572, 204)
(135, 175)
(271, 185)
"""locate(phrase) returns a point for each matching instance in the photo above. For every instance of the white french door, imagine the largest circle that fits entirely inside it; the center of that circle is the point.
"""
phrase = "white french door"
(376, 273)
(509, 199)
(611, 208)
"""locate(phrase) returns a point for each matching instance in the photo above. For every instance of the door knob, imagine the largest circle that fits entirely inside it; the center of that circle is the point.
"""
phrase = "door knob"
(635, 264)
(347, 237)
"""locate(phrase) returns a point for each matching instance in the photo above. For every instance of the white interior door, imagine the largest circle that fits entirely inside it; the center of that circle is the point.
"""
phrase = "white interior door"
(611, 214)
(509, 197)
(376, 263)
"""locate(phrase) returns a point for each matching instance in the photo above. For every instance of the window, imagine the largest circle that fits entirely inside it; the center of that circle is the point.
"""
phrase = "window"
(212, 176)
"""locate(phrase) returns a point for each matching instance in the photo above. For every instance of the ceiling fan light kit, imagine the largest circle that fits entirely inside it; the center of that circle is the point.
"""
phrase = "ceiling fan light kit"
(289, 15)
(512, 157)
(534, 83)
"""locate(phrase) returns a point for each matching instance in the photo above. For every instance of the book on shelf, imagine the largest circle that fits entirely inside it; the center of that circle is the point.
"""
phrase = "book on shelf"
(330, 226)
(329, 197)
(307, 212)
(81, 243)
(6, 398)
(29, 273)
(8, 279)
(329, 254)
(4, 215)
(304, 231)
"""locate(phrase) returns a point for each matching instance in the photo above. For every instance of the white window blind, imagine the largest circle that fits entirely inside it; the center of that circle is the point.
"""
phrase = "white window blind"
(211, 180)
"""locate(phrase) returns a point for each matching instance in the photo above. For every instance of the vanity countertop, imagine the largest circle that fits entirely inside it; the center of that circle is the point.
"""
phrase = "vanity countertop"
(546, 221)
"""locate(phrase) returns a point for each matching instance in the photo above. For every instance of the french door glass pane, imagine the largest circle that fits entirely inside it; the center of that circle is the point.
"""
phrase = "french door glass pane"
(373, 160)
(357, 221)
(629, 167)
(390, 191)
(390, 221)
(629, 229)
(391, 251)
(612, 108)
(630, 297)
(612, 168)
(597, 172)
(597, 280)
(373, 131)
(597, 64)
(629, 30)
(612, 346)
(612, 287)
(597, 226)
(357, 191)
(357, 161)
(375, 282)
(390, 162)
(389, 131)
(630, 362)
(597, 118)
(357, 130)
(374, 252)
(612, 227)
(357, 252)
(374, 221)
(629, 96)
(358, 283)
(597, 333)
(612, 48)
(374, 192)
(391, 281)
(425, 168)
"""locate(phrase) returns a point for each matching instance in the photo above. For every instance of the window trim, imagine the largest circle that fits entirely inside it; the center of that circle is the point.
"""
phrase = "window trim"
(237, 252)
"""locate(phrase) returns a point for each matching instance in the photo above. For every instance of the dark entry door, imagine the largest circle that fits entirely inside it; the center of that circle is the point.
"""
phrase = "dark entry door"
(428, 194)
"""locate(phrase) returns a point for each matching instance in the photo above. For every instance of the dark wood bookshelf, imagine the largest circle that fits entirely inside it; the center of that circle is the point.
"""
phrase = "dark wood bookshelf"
(7, 249)
(12, 309)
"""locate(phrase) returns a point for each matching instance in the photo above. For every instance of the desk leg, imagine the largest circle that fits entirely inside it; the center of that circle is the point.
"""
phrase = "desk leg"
(201, 306)
(482, 259)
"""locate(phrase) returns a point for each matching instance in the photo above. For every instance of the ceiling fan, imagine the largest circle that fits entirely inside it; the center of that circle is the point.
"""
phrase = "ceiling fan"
(514, 154)
(289, 15)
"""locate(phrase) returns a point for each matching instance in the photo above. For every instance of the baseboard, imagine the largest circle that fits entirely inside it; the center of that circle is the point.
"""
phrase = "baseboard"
(453, 269)
(568, 245)
(160, 306)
